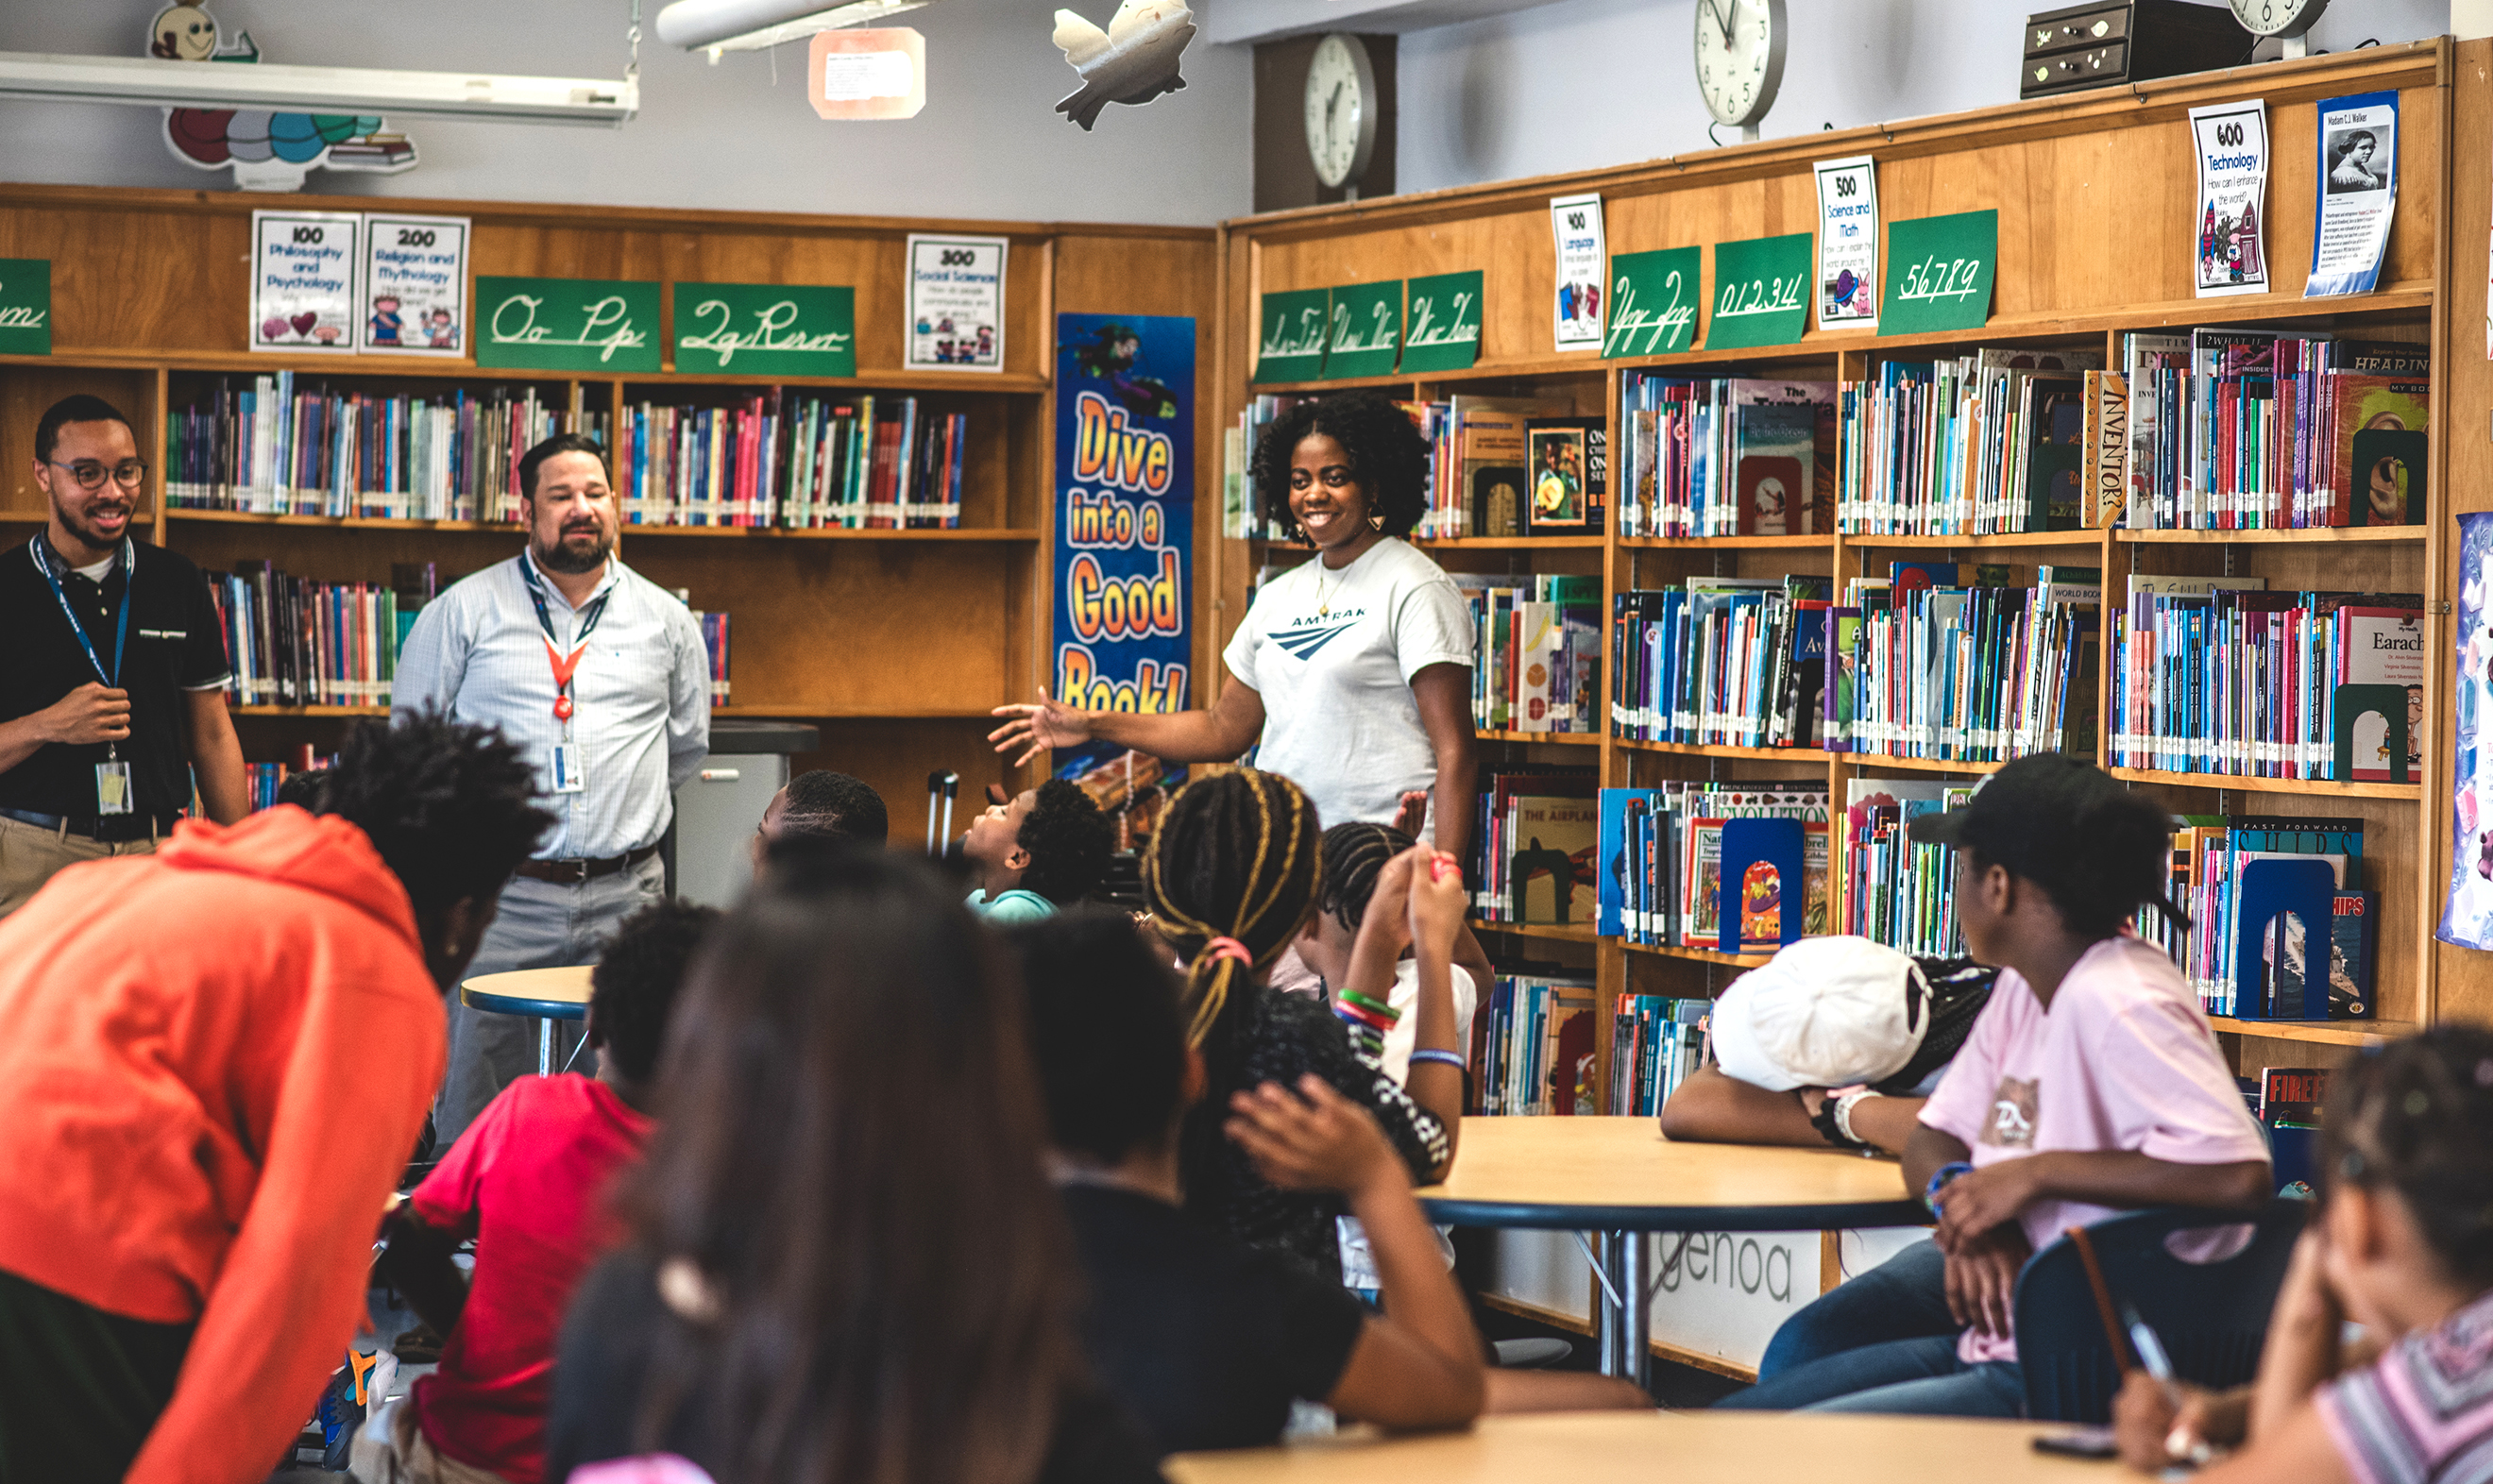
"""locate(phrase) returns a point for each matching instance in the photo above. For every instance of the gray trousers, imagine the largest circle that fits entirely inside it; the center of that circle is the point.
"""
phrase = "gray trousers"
(542, 926)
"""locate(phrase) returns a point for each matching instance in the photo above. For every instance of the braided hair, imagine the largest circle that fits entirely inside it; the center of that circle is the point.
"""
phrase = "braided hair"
(1236, 856)
(1354, 855)
(2416, 1116)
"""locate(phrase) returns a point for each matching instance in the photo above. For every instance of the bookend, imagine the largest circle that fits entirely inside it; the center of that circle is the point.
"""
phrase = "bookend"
(1746, 842)
(2271, 889)
(2354, 702)
(2375, 451)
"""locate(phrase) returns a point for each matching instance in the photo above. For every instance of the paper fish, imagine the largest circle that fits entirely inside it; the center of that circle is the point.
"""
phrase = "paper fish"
(266, 150)
(1134, 61)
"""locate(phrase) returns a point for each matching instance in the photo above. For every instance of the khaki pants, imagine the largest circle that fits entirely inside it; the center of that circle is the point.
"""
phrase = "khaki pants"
(389, 1448)
(31, 855)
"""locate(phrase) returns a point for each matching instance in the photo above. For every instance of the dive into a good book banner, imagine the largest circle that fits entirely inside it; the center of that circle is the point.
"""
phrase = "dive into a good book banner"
(2230, 146)
(303, 268)
(1366, 330)
(25, 306)
(1761, 292)
(415, 285)
(2468, 920)
(766, 329)
(1441, 322)
(1576, 230)
(1848, 244)
(567, 324)
(2359, 194)
(1654, 298)
(1295, 324)
(1940, 272)
(1125, 518)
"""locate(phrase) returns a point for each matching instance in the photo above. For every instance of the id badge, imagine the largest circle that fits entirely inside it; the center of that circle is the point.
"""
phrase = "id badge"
(113, 787)
(566, 768)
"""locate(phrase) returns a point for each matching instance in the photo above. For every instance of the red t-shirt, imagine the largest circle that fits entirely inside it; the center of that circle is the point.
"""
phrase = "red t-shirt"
(528, 1181)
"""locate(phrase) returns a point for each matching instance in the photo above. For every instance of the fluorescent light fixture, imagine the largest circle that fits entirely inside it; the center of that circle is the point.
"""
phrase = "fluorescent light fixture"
(485, 97)
(752, 25)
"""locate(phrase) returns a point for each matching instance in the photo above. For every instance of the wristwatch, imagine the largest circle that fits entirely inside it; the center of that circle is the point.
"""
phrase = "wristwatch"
(1940, 1181)
(1829, 1122)
(1844, 1105)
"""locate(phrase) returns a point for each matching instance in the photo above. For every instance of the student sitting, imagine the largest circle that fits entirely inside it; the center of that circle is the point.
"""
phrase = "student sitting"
(2092, 1082)
(1047, 849)
(527, 1182)
(2403, 1246)
(820, 804)
(1205, 1339)
(1354, 855)
(845, 1261)
(1231, 878)
(215, 1063)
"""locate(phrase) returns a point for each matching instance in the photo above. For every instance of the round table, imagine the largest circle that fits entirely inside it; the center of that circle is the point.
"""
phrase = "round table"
(547, 995)
(1620, 1175)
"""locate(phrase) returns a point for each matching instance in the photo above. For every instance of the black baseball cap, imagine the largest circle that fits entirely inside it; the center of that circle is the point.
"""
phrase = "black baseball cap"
(2026, 816)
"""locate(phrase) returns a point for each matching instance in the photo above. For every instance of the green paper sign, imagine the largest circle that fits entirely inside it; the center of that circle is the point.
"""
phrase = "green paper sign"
(766, 329)
(567, 324)
(25, 306)
(1761, 292)
(1293, 341)
(1367, 334)
(1441, 322)
(1654, 298)
(1939, 271)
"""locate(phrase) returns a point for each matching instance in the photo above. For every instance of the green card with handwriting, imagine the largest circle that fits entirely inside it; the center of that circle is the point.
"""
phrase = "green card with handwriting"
(1761, 292)
(1938, 273)
(1441, 322)
(1654, 297)
(766, 329)
(1292, 345)
(567, 324)
(1367, 333)
(26, 306)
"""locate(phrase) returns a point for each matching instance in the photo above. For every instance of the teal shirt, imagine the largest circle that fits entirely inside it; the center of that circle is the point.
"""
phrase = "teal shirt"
(1010, 907)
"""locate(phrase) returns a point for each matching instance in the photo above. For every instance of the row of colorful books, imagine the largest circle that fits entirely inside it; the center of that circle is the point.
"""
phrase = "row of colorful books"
(1656, 1044)
(1726, 456)
(1513, 466)
(790, 459)
(264, 779)
(2233, 430)
(1532, 1048)
(1898, 891)
(1975, 444)
(2292, 981)
(1660, 857)
(1537, 651)
(266, 446)
(2221, 676)
(1727, 661)
(1534, 845)
(1919, 666)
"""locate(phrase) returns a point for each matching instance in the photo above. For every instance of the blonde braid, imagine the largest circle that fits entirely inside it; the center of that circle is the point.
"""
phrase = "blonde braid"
(1210, 975)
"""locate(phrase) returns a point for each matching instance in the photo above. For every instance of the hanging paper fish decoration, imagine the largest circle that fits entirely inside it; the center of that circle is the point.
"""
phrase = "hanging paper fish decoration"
(1134, 61)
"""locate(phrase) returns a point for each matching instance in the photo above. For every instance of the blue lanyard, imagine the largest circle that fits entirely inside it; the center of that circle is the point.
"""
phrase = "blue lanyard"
(588, 615)
(121, 626)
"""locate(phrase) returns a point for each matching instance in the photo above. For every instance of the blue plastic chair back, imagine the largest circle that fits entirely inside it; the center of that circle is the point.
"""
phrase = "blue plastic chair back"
(2213, 1317)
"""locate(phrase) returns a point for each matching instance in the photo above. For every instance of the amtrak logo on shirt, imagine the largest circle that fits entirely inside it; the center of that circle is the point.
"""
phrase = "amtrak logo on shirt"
(1306, 636)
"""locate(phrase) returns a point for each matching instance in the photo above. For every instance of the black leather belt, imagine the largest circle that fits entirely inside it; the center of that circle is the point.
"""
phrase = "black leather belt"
(573, 873)
(109, 829)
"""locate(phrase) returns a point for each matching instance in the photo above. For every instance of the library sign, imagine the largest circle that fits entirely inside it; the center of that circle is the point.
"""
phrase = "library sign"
(1399, 325)
(1125, 517)
(25, 306)
(567, 324)
(766, 329)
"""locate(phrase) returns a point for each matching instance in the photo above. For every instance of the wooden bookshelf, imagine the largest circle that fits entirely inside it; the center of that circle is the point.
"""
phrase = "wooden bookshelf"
(2317, 1032)
(1555, 931)
(897, 642)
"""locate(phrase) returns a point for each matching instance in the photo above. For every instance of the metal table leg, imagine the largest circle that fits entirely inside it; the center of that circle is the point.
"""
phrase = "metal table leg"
(544, 1046)
(1616, 1299)
(1636, 1288)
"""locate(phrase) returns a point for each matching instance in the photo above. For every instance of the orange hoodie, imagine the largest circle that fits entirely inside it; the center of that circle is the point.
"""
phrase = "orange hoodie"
(217, 1059)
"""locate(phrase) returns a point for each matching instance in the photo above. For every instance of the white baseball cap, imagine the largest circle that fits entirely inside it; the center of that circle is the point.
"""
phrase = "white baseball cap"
(1823, 1012)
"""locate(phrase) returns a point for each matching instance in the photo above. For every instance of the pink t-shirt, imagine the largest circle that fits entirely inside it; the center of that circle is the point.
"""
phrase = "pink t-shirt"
(2124, 1060)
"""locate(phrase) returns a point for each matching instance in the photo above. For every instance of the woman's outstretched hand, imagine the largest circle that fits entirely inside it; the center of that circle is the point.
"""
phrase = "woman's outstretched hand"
(1037, 727)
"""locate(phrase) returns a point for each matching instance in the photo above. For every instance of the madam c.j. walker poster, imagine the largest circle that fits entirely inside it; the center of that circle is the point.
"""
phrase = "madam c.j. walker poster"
(1124, 541)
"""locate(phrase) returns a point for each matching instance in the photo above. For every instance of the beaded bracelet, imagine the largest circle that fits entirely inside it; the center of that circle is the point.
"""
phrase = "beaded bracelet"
(1432, 1053)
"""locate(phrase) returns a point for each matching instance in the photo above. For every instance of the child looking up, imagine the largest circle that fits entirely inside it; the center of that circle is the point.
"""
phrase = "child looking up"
(2403, 1246)
(527, 1180)
(1207, 1340)
(2090, 1084)
(1046, 850)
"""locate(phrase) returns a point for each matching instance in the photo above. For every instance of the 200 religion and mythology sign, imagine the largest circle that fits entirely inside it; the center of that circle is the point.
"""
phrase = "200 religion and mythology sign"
(1125, 516)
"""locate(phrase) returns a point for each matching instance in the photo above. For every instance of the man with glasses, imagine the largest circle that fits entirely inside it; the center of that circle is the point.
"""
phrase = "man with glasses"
(112, 676)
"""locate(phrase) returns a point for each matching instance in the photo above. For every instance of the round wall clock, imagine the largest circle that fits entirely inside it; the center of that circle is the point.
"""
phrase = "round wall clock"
(2277, 17)
(1341, 107)
(1740, 58)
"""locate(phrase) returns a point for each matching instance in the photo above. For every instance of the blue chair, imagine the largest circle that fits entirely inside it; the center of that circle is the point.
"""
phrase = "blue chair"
(2213, 1317)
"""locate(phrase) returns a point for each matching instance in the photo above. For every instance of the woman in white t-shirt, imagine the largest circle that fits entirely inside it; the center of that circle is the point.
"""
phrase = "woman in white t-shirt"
(1351, 674)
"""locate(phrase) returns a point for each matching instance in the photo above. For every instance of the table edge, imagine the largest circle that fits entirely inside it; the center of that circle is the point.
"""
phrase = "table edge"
(1568, 1216)
(515, 1004)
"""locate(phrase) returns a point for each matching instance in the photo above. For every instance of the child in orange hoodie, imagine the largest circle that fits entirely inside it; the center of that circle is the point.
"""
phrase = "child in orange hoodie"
(218, 1059)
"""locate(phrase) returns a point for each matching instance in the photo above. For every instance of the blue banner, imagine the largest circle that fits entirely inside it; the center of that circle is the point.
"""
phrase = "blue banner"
(1124, 560)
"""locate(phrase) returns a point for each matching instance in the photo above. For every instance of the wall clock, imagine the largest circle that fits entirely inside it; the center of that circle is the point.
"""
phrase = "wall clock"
(2289, 20)
(1740, 58)
(1339, 109)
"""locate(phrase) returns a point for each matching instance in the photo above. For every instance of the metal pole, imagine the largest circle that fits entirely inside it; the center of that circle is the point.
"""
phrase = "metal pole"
(544, 1046)
(1636, 1333)
(1616, 1304)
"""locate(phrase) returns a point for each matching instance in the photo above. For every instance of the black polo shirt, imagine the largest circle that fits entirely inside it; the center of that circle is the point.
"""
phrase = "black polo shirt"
(174, 645)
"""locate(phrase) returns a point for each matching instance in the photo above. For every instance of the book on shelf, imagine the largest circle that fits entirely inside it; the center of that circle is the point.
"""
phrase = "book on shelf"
(1979, 673)
(791, 459)
(1738, 662)
(1570, 470)
(1538, 830)
(1724, 455)
(713, 628)
(1658, 851)
(2354, 954)
(1897, 890)
(1656, 1044)
(1536, 650)
(2249, 430)
(292, 641)
(2221, 676)
(276, 444)
(1489, 488)
(1533, 1048)
(2290, 1103)
(1966, 445)
(263, 780)
(2205, 877)
(1248, 516)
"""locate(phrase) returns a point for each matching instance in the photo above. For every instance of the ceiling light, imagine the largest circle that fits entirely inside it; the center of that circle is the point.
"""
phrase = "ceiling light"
(752, 25)
(149, 82)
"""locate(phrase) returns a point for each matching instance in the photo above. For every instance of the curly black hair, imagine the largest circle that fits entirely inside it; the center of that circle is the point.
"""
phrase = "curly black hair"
(2416, 1116)
(1067, 839)
(1354, 854)
(1387, 455)
(451, 806)
(634, 984)
(820, 802)
(1104, 1029)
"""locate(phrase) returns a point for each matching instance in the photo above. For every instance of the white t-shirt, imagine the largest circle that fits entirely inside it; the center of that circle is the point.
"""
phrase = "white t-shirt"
(1332, 654)
(1396, 1055)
